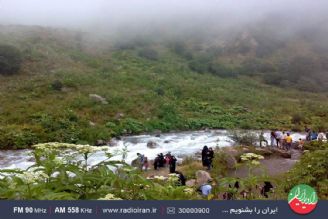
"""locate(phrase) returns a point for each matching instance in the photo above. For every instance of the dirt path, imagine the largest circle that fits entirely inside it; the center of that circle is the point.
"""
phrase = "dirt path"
(272, 166)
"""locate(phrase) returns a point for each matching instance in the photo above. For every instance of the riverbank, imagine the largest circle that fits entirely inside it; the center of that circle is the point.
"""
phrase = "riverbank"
(180, 144)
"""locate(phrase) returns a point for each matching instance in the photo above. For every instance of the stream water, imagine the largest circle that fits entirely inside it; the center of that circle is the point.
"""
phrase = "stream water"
(180, 144)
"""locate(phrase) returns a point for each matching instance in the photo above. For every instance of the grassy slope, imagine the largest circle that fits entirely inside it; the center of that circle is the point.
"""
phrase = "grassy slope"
(163, 94)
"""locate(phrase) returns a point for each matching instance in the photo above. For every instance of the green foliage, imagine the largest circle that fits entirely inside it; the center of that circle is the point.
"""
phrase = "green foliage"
(10, 60)
(62, 172)
(149, 53)
(11, 137)
(312, 170)
(57, 85)
(245, 138)
(315, 145)
(165, 94)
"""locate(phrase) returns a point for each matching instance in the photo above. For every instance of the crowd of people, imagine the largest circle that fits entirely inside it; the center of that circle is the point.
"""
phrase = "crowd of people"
(284, 140)
(169, 161)
(160, 161)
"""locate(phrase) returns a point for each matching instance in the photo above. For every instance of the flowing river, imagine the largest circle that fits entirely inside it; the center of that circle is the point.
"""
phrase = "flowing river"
(180, 144)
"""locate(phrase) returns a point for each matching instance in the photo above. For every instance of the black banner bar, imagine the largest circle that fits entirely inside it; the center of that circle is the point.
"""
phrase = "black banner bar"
(154, 209)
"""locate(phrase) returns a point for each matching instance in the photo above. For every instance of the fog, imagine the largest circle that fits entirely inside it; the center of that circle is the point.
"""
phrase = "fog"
(142, 15)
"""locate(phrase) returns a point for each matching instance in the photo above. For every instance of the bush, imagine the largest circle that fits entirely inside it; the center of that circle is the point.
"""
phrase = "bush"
(10, 60)
(244, 138)
(223, 71)
(148, 54)
(57, 85)
(312, 170)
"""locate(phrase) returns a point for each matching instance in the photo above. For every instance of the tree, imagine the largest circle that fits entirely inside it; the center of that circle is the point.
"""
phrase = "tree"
(10, 60)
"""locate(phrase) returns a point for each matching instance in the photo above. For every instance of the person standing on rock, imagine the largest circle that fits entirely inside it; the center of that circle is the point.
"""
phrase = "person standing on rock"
(308, 133)
(210, 157)
(321, 136)
(156, 162)
(167, 158)
(278, 135)
(262, 139)
(141, 159)
(172, 164)
(161, 160)
(205, 156)
(273, 139)
(301, 144)
(289, 141)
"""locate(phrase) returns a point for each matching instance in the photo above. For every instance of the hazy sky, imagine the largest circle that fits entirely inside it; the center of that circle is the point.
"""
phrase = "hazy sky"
(90, 13)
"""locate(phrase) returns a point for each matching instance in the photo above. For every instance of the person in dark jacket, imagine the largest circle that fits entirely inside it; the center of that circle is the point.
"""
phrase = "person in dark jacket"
(205, 156)
(156, 163)
(210, 157)
(266, 188)
(161, 160)
(182, 178)
(172, 164)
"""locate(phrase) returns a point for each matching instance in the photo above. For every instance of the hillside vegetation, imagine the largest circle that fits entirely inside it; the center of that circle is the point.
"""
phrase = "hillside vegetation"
(73, 88)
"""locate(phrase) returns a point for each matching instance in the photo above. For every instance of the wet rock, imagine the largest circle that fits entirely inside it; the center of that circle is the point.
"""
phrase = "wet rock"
(230, 161)
(231, 151)
(263, 151)
(157, 133)
(246, 150)
(31, 159)
(202, 177)
(112, 142)
(282, 153)
(98, 98)
(151, 144)
(191, 183)
(166, 141)
(119, 116)
(135, 163)
(100, 142)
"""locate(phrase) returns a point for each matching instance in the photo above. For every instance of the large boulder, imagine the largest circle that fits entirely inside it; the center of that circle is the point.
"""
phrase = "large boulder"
(113, 142)
(191, 183)
(119, 116)
(135, 163)
(151, 144)
(230, 161)
(263, 151)
(100, 142)
(97, 98)
(202, 177)
(282, 153)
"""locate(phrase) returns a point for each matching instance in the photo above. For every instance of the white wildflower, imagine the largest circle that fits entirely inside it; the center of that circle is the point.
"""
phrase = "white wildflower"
(110, 197)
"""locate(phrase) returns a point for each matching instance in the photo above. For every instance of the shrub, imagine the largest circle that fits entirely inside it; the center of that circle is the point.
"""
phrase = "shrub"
(312, 170)
(10, 60)
(148, 53)
(244, 138)
(57, 85)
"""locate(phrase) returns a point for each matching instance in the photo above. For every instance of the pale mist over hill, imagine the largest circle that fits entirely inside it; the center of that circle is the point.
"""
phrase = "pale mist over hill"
(284, 41)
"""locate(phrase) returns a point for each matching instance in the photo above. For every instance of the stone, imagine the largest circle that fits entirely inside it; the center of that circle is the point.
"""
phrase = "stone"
(135, 163)
(202, 177)
(119, 116)
(112, 142)
(191, 183)
(97, 98)
(151, 144)
(157, 133)
(282, 153)
(92, 123)
(100, 142)
(263, 151)
(166, 141)
(230, 161)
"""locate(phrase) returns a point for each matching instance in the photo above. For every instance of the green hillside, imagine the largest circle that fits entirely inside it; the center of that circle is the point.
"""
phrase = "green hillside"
(147, 85)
